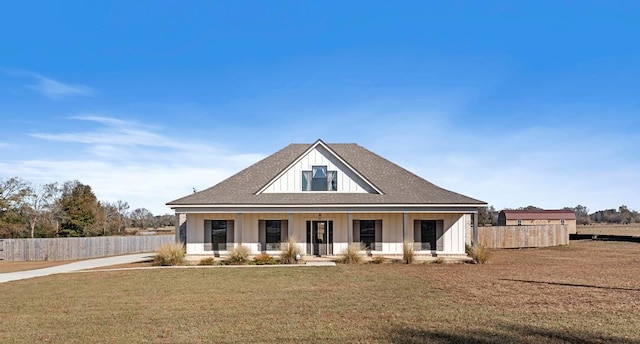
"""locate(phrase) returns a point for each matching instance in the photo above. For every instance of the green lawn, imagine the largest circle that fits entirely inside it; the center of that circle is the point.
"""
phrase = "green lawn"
(588, 292)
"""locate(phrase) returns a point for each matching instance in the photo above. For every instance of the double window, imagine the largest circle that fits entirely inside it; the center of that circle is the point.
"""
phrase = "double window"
(369, 233)
(271, 233)
(428, 235)
(217, 234)
(319, 179)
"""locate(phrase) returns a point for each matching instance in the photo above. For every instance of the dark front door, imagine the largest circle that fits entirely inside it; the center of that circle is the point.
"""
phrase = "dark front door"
(319, 237)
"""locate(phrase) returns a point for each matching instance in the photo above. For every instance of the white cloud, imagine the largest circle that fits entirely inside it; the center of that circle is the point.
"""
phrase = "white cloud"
(56, 89)
(133, 162)
(543, 166)
(50, 88)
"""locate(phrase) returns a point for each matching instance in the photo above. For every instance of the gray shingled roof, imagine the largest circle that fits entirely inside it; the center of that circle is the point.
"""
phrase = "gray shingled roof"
(398, 185)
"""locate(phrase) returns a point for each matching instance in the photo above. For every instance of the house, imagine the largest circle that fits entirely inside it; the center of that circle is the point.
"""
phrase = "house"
(538, 217)
(326, 196)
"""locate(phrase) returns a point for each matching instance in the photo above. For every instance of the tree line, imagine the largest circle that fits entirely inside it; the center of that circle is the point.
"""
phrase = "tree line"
(69, 209)
(622, 215)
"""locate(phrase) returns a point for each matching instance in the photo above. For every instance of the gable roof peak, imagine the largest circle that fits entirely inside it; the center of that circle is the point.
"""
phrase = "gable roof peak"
(331, 151)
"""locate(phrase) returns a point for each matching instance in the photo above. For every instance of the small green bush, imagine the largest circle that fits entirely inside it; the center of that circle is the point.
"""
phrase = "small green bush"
(239, 255)
(264, 259)
(169, 255)
(408, 255)
(378, 260)
(478, 252)
(207, 261)
(352, 254)
(289, 250)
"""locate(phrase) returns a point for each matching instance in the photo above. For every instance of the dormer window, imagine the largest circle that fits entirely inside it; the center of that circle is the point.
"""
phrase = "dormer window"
(319, 179)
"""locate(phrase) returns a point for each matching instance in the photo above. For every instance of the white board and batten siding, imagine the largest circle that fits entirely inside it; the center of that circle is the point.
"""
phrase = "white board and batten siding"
(453, 238)
(291, 180)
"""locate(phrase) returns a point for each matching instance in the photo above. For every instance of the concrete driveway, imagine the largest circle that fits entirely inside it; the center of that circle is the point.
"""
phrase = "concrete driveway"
(76, 266)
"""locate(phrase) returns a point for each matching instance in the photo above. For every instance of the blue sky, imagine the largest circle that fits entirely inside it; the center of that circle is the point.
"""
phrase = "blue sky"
(513, 103)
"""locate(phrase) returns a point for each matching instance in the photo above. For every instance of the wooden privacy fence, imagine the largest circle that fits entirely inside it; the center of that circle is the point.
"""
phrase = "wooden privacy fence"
(523, 236)
(79, 248)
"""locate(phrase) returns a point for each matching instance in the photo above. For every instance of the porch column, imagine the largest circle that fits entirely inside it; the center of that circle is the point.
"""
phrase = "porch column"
(290, 226)
(405, 227)
(177, 225)
(239, 228)
(349, 228)
(475, 228)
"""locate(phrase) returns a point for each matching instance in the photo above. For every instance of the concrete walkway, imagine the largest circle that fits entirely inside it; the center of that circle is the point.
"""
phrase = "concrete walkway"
(76, 266)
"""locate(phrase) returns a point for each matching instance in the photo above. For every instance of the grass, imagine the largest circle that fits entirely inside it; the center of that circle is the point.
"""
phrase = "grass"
(351, 254)
(478, 252)
(289, 251)
(238, 256)
(632, 229)
(407, 252)
(264, 259)
(207, 261)
(588, 292)
(169, 255)
(22, 266)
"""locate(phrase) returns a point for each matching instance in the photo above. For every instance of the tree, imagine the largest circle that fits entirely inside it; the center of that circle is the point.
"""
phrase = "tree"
(78, 209)
(39, 199)
(12, 199)
(123, 208)
(141, 218)
(582, 214)
(487, 216)
(529, 207)
(626, 216)
(112, 217)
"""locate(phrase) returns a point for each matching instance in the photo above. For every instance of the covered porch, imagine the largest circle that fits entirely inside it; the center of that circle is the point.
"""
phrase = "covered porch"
(327, 233)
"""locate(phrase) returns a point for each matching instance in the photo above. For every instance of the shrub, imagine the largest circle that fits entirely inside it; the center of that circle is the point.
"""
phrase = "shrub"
(352, 254)
(438, 260)
(207, 261)
(169, 255)
(478, 252)
(407, 252)
(239, 255)
(378, 260)
(264, 259)
(288, 251)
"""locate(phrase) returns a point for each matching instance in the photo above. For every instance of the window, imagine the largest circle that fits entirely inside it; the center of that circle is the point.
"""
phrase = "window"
(219, 235)
(368, 233)
(319, 179)
(519, 222)
(562, 222)
(429, 235)
(273, 234)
